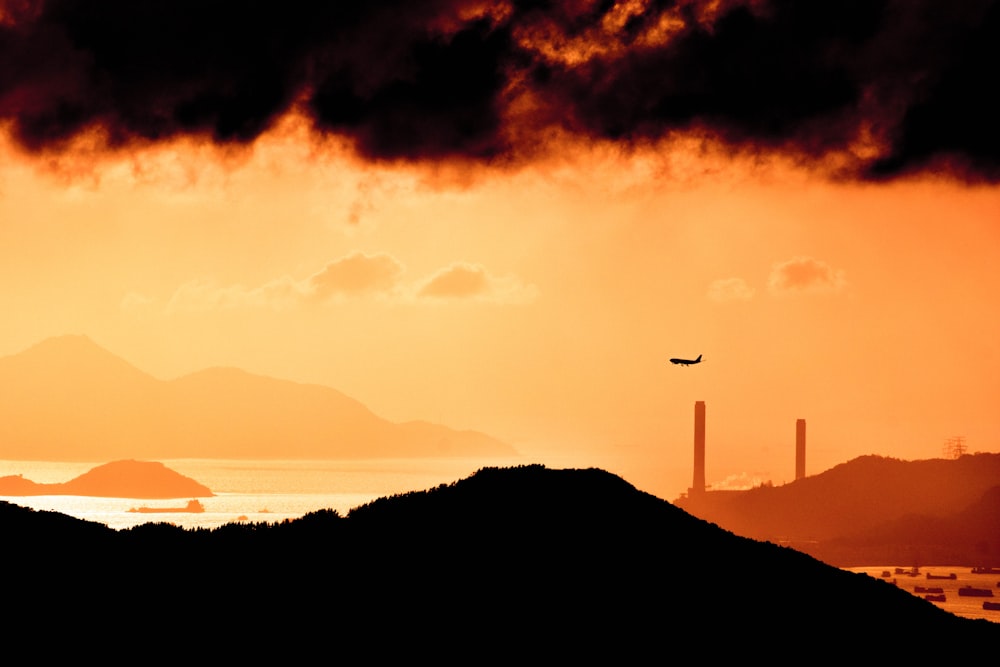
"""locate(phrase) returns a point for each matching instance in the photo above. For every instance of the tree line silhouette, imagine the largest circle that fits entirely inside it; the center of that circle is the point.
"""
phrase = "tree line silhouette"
(522, 562)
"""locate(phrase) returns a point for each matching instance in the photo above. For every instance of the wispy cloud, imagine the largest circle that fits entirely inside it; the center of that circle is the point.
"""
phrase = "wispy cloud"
(357, 273)
(797, 275)
(805, 274)
(203, 296)
(473, 281)
(730, 289)
(133, 302)
(457, 280)
(354, 276)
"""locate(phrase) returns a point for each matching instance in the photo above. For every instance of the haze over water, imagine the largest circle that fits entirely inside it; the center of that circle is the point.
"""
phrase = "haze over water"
(285, 489)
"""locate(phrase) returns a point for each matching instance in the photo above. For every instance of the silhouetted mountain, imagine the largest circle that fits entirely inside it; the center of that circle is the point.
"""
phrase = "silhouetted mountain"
(118, 479)
(864, 498)
(521, 564)
(68, 399)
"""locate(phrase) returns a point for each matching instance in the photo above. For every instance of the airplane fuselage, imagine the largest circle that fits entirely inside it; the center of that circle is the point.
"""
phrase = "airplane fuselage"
(686, 362)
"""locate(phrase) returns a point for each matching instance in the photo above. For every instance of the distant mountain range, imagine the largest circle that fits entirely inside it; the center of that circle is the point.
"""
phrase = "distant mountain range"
(874, 510)
(515, 565)
(67, 398)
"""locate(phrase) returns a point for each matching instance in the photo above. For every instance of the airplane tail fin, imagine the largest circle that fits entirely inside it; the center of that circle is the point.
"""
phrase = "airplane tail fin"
(699, 358)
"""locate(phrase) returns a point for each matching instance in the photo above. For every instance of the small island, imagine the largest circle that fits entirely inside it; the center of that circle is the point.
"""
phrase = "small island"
(118, 479)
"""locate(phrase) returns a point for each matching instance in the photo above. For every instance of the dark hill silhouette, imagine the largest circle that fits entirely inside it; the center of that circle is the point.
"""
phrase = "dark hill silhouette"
(526, 564)
(118, 479)
(860, 497)
(69, 399)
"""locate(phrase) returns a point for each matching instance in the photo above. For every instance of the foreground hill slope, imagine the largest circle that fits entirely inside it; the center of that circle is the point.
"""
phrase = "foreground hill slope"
(67, 398)
(524, 563)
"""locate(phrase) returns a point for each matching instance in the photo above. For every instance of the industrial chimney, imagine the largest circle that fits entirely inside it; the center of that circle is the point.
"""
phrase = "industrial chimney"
(800, 448)
(698, 485)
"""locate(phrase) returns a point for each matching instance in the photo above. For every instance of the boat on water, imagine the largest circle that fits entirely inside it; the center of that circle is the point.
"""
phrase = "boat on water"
(928, 589)
(985, 570)
(995, 606)
(972, 591)
(912, 572)
(192, 506)
(935, 598)
(942, 576)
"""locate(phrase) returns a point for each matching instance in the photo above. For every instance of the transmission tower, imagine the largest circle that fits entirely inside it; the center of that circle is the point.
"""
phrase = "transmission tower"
(954, 447)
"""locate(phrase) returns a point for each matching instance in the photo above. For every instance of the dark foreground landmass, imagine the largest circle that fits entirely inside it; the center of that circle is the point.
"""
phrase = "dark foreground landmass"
(527, 564)
(118, 479)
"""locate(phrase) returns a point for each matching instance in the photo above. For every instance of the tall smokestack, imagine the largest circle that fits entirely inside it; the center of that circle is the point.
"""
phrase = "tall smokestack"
(800, 448)
(698, 485)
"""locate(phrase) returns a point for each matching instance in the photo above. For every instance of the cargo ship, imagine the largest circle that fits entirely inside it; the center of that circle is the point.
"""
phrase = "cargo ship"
(192, 506)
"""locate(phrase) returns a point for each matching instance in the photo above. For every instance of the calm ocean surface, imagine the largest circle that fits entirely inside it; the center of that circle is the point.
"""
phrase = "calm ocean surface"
(255, 491)
(969, 607)
(272, 491)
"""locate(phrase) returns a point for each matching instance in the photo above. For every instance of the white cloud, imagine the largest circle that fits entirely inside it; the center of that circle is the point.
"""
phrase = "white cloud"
(473, 281)
(730, 289)
(457, 281)
(353, 276)
(357, 273)
(805, 274)
(202, 296)
(133, 302)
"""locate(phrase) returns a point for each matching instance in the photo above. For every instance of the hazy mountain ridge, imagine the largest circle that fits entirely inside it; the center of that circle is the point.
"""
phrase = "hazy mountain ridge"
(872, 507)
(525, 562)
(67, 398)
(971, 536)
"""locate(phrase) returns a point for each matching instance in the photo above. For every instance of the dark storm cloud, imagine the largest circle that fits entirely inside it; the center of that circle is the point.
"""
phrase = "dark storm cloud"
(872, 88)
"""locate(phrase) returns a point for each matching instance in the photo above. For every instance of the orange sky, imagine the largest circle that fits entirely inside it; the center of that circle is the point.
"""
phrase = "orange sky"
(539, 306)
(522, 254)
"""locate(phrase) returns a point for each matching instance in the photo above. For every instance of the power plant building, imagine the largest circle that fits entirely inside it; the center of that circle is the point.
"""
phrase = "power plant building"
(698, 484)
(800, 448)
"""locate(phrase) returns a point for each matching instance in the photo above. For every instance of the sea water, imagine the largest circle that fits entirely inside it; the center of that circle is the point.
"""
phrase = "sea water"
(255, 491)
(968, 607)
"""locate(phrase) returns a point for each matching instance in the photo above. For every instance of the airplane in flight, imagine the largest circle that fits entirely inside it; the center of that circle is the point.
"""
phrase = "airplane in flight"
(686, 362)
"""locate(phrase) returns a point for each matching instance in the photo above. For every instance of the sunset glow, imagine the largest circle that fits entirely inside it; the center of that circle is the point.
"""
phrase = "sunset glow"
(526, 265)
